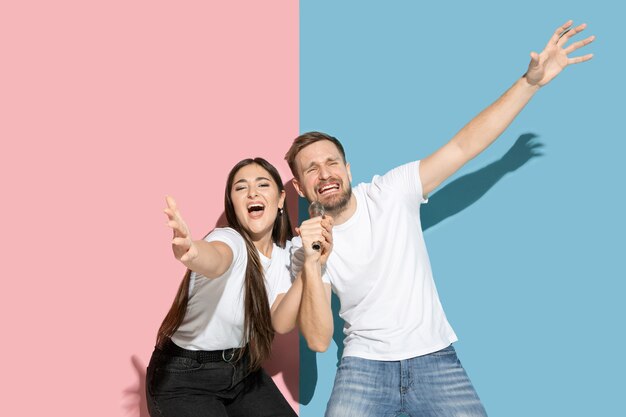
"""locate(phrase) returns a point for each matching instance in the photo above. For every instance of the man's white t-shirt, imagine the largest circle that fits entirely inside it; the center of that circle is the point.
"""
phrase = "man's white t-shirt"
(215, 312)
(380, 271)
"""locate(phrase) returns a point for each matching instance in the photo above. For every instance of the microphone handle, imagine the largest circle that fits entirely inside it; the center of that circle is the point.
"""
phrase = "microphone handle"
(316, 209)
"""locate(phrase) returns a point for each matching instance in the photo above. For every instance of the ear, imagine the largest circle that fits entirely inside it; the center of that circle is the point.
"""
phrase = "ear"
(349, 173)
(296, 185)
(281, 200)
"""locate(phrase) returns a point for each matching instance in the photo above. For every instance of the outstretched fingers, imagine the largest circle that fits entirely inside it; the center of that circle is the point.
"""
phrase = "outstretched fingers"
(182, 245)
(179, 230)
(579, 59)
(579, 44)
(560, 31)
(568, 34)
(171, 210)
(171, 203)
(175, 220)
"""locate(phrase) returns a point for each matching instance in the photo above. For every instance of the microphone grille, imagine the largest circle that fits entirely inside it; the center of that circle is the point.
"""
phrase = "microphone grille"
(316, 209)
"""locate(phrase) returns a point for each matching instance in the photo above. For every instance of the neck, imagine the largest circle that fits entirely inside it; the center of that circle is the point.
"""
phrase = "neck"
(264, 244)
(345, 213)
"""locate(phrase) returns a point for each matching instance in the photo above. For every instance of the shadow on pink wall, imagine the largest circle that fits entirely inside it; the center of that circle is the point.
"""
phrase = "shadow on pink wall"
(134, 402)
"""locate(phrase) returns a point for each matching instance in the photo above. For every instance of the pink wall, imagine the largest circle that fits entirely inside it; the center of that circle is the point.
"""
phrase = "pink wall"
(106, 107)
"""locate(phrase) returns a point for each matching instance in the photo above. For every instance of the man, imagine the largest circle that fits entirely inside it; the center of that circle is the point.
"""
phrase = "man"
(398, 355)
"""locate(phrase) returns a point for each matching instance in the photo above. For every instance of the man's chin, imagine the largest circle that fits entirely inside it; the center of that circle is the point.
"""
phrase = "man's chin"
(336, 203)
(329, 200)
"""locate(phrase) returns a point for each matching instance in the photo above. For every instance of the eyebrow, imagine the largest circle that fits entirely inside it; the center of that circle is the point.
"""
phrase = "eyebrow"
(257, 179)
(329, 159)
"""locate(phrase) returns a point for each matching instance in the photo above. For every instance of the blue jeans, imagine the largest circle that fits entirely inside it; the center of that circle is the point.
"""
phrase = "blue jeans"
(425, 386)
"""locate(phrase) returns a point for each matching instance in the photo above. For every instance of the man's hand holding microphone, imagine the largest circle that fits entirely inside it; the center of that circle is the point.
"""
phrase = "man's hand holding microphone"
(316, 234)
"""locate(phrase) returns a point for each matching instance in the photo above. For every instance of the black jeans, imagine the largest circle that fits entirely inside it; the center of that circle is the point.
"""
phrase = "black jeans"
(183, 387)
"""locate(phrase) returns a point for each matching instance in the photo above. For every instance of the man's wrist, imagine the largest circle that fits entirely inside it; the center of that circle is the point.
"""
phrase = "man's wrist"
(525, 83)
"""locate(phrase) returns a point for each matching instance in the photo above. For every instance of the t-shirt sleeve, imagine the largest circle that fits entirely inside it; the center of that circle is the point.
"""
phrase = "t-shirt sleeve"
(404, 180)
(297, 260)
(233, 239)
(235, 243)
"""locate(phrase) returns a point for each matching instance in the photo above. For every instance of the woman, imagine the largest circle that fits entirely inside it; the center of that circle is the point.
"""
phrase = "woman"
(234, 296)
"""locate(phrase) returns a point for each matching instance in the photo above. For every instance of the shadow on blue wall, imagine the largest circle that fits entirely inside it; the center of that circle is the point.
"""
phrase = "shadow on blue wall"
(450, 200)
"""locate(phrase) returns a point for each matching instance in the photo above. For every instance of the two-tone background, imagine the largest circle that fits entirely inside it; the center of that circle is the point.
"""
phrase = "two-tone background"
(106, 107)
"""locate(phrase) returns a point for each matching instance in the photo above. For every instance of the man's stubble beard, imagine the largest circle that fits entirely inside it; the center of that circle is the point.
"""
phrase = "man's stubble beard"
(336, 208)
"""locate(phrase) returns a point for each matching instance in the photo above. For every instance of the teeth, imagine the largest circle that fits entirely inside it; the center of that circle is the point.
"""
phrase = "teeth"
(328, 187)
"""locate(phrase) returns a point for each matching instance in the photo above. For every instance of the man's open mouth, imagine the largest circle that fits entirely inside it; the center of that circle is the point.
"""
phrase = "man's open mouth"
(333, 186)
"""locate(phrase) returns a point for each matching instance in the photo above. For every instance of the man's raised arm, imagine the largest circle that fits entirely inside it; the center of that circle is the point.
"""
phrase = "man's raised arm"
(485, 128)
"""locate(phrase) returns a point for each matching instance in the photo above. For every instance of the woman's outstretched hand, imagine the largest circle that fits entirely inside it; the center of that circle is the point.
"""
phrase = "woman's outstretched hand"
(183, 247)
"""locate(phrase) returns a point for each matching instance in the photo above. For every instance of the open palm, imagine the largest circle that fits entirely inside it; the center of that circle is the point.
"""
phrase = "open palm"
(554, 58)
(182, 245)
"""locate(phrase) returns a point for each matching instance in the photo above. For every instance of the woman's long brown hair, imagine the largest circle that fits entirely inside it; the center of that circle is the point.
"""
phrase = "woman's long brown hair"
(258, 330)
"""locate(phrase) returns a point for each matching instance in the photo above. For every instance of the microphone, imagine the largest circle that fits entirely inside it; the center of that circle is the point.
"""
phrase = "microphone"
(316, 209)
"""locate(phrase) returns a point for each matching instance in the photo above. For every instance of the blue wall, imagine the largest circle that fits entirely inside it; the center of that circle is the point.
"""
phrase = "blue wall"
(527, 249)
